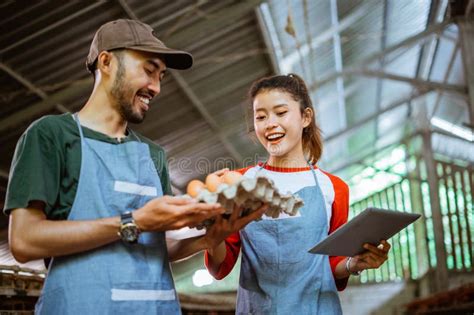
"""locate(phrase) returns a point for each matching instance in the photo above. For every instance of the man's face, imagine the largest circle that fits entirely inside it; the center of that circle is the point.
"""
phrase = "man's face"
(137, 80)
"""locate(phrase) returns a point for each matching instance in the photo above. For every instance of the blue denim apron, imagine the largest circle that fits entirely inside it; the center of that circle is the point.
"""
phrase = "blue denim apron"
(117, 278)
(278, 275)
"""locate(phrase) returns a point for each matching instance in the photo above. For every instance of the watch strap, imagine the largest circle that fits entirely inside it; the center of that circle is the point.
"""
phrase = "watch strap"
(126, 217)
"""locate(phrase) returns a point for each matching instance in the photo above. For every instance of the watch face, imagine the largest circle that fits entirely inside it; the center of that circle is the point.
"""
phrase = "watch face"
(129, 233)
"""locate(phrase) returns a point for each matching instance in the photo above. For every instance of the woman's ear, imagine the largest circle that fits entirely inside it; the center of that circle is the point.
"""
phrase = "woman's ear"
(307, 117)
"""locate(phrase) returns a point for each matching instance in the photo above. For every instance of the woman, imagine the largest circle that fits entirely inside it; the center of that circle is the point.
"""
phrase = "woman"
(278, 275)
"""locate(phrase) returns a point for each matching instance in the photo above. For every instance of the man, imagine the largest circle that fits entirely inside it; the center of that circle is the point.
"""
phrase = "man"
(87, 191)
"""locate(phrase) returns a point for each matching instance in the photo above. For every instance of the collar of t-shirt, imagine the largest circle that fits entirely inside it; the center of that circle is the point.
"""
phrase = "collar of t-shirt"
(285, 169)
(96, 135)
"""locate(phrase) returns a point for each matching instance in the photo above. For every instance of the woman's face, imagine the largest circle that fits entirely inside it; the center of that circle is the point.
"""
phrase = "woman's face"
(279, 124)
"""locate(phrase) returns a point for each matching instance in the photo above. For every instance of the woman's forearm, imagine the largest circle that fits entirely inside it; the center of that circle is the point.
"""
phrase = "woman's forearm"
(217, 255)
(179, 249)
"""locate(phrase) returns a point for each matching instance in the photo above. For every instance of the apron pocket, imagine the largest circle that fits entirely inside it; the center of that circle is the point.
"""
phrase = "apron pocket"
(259, 242)
(291, 246)
(276, 241)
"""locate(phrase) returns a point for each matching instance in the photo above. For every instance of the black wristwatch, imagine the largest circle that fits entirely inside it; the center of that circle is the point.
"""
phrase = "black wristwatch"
(128, 231)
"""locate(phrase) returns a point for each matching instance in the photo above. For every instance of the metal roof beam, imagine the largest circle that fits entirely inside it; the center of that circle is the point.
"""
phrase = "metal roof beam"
(128, 10)
(206, 115)
(75, 89)
(372, 153)
(466, 32)
(273, 52)
(52, 26)
(287, 62)
(418, 83)
(429, 48)
(469, 8)
(179, 13)
(25, 82)
(435, 29)
(446, 77)
(338, 65)
(207, 26)
(211, 38)
(30, 86)
(375, 115)
(381, 63)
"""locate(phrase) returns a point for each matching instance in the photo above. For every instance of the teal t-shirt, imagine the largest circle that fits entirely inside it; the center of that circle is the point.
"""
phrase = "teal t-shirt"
(47, 161)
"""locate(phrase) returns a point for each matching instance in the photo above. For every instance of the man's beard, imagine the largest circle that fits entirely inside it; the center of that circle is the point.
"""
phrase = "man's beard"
(123, 94)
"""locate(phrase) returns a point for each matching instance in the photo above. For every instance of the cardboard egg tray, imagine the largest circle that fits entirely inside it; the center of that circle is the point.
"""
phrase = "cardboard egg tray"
(251, 193)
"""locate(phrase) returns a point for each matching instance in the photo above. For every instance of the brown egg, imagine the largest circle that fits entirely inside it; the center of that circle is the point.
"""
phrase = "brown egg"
(194, 187)
(212, 182)
(231, 177)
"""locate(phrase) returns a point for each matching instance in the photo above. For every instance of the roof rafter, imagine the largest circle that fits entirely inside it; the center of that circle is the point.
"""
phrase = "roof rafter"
(434, 29)
(418, 83)
(50, 102)
(206, 115)
(52, 26)
(375, 115)
(341, 101)
(30, 86)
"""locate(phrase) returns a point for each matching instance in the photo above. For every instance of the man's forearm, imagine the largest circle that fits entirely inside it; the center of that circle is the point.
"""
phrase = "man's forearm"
(32, 236)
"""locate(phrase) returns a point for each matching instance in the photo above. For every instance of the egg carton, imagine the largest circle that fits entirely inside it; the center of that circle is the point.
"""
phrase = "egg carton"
(251, 194)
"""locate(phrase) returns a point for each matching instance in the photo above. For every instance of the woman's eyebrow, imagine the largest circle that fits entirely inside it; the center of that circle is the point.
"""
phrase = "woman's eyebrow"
(274, 107)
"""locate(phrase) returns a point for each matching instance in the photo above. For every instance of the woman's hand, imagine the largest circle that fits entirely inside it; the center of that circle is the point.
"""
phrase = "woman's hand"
(373, 258)
(223, 227)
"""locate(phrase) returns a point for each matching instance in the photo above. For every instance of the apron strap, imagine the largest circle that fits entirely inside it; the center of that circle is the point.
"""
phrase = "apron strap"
(76, 118)
(130, 131)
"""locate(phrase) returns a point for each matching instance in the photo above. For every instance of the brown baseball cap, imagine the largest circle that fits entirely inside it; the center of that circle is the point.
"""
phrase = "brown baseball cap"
(132, 34)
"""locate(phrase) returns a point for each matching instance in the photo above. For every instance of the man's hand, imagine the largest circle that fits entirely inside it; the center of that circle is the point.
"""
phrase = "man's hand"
(214, 238)
(172, 213)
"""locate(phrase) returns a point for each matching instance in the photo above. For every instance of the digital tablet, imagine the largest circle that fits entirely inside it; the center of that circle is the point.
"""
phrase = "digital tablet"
(371, 226)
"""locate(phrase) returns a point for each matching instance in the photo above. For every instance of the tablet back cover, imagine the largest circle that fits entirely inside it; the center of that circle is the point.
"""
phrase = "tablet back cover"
(370, 226)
